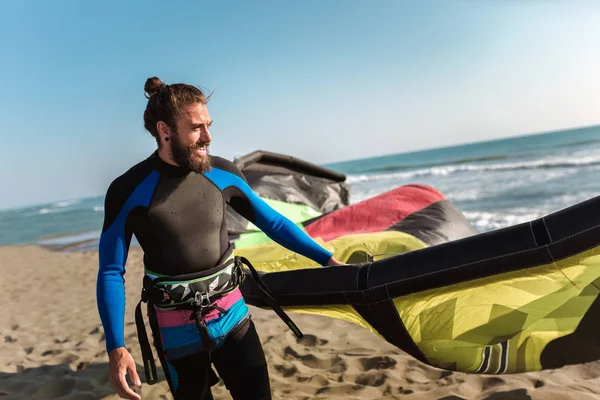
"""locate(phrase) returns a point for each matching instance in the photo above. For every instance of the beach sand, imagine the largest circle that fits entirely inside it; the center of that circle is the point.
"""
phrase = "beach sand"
(52, 346)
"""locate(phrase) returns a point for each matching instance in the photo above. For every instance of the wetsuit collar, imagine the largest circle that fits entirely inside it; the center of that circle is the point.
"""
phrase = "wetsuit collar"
(165, 168)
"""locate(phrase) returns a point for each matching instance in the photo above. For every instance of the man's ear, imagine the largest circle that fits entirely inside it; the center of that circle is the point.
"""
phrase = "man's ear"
(163, 129)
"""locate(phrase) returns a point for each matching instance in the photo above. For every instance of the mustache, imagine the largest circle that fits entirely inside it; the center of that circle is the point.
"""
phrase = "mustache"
(197, 145)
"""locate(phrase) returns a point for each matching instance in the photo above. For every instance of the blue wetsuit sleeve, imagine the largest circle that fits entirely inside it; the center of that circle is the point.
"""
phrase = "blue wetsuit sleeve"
(110, 286)
(124, 195)
(279, 228)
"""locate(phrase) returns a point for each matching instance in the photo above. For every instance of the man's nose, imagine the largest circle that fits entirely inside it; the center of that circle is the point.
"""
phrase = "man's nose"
(205, 134)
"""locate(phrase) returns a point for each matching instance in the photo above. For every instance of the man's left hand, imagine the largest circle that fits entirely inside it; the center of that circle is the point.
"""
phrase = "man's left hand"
(334, 261)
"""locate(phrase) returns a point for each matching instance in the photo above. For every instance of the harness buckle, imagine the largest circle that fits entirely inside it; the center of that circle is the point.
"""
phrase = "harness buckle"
(152, 293)
(237, 273)
(201, 300)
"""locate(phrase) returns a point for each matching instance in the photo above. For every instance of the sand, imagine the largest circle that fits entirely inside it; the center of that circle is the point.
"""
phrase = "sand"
(52, 346)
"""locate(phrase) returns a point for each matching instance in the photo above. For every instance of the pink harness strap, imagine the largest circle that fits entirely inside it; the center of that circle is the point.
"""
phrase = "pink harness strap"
(170, 318)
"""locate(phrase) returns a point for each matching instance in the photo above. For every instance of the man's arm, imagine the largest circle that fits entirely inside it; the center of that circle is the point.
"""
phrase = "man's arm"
(112, 253)
(132, 190)
(280, 229)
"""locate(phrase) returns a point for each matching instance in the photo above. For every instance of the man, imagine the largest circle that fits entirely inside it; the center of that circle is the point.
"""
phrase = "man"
(174, 202)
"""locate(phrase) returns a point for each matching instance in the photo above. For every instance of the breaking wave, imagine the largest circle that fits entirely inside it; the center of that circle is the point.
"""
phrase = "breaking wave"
(559, 162)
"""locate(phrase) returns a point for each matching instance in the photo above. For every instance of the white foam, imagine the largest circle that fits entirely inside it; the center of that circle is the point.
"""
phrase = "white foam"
(486, 221)
(465, 195)
(99, 208)
(66, 203)
(51, 210)
(445, 170)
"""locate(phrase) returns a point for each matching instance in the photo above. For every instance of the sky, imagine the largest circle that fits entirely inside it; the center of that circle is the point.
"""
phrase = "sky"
(323, 80)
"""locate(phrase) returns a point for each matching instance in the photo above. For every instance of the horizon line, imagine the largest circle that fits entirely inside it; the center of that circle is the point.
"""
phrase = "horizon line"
(328, 165)
(460, 144)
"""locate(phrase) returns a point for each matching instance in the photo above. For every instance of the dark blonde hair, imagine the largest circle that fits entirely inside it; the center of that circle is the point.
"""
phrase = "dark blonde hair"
(165, 102)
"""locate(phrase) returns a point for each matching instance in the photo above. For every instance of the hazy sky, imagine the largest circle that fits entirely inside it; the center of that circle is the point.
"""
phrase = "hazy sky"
(324, 80)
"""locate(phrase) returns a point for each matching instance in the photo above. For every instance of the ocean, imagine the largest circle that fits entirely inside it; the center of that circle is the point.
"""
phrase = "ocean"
(495, 184)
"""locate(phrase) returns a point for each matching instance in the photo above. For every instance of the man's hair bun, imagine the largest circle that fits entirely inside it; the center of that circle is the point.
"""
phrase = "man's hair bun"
(153, 86)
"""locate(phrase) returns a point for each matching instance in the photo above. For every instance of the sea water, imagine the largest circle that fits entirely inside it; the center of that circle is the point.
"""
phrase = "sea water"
(495, 184)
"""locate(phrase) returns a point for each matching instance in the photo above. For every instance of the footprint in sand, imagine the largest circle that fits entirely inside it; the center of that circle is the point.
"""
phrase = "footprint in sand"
(51, 352)
(384, 362)
(70, 358)
(491, 382)
(286, 371)
(311, 340)
(9, 339)
(339, 390)
(425, 375)
(317, 380)
(401, 390)
(334, 365)
(371, 379)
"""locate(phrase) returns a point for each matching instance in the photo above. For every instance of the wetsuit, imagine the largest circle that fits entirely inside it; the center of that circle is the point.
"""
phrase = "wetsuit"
(179, 220)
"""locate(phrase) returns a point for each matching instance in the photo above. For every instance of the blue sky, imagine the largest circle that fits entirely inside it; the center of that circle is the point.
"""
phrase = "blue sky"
(324, 80)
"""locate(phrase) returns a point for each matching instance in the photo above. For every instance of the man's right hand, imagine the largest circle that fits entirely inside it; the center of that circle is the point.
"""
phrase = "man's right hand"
(120, 364)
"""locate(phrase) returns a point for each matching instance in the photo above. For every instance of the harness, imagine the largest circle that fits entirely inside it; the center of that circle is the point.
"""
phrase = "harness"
(197, 292)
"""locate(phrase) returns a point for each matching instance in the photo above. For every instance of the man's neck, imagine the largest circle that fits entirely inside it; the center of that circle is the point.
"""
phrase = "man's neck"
(165, 155)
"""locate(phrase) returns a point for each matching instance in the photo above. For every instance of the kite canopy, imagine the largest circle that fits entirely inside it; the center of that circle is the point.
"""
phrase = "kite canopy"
(418, 210)
(296, 188)
(523, 298)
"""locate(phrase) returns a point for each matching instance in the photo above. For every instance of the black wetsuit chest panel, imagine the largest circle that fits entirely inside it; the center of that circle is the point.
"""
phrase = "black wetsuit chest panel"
(178, 218)
(187, 217)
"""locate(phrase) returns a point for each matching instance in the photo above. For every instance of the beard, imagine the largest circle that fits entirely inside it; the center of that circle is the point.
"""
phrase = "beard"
(185, 156)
